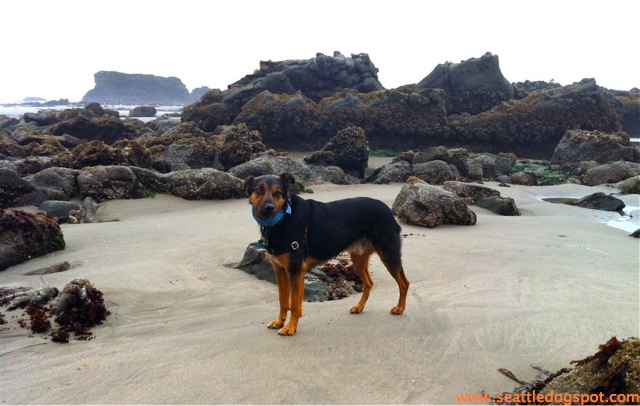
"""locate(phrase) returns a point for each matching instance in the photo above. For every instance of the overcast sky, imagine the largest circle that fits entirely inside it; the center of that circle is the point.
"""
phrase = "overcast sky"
(51, 49)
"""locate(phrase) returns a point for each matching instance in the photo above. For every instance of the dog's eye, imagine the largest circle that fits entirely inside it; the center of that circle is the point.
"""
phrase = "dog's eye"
(259, 191)
(277, 195)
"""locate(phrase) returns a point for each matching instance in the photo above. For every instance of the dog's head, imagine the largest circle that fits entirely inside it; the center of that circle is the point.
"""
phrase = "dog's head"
(268, 194)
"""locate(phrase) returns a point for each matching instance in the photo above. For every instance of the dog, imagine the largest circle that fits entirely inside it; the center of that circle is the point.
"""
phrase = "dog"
(299, 234)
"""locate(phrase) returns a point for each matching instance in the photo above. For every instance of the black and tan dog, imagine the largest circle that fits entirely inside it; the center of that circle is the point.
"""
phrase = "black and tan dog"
(299, 234)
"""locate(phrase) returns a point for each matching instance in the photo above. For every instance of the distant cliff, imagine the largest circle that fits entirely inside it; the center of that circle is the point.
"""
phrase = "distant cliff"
(123, 88)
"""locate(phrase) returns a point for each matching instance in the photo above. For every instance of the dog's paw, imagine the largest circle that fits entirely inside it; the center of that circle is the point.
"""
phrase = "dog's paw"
(277, 323)
(357, 309)
(287, 331)
(397, 310)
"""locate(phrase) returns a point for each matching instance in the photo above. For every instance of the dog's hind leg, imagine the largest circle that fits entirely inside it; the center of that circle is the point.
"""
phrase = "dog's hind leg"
(391, 258)
(361, 264)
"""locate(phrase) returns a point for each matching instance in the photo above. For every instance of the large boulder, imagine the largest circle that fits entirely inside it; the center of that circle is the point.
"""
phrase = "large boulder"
(56, 183)
(348, 149)
(143, 111)
(610, 173)
(103, 183)
(484, 197)
(471, 86)
(107, 128)
(435, 172)
(421, 204)
(582, 145)
(203, 184)
(240, 145)
(24, 236)
(268, 164)
(13, 189)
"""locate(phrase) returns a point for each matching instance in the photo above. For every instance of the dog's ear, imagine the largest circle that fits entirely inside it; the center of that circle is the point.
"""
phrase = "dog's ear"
(248, 185)
(287, 180)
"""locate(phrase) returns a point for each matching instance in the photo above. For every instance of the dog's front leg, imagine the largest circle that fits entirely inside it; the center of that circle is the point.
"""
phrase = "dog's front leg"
(296, 282)
(284, 294)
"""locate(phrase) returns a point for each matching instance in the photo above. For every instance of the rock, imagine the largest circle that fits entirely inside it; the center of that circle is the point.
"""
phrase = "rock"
(334, 280)
(471, 86)
(435, 172)
(504, 162)
(143, 111)
(423, 205)
(42, 117)
(95, 153)
(307, 174)
(629, 186)
(13, 189)
(106, 128)
(90, 208)
(57, 183)
(133, 89)
(24, 236)
(6, 121)
(201, 184)
(79, 306)
(523, 178)
(103, 183)
(504, 206)
(484, 197)
(600, 201)
(437, 153)
(582, 145)
(189, 153)
(348, 149)
(58, 209)
(488, 164)
(240, 146)
(395, 172)
(610, 173)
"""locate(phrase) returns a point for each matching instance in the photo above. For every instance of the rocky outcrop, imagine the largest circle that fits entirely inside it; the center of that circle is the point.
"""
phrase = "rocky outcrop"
(24, 236)
(88, 126)
(122, 88)
(438, 164)
(533, 126)
(295, 122)
(420, 204)
(581, 145)
(630, 117)
(314, 79)
(348, 149)
(471, 86)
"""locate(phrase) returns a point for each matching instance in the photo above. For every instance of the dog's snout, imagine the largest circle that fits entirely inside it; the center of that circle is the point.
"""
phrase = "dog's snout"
(267, 209)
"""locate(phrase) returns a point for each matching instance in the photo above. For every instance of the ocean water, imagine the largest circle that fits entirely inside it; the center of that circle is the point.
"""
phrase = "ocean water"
(18, 111)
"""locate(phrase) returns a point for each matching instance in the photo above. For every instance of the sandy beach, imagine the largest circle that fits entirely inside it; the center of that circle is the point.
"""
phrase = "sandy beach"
(540, 289)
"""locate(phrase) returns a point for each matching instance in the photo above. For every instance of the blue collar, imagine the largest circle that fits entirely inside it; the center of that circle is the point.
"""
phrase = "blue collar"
(273, 220)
